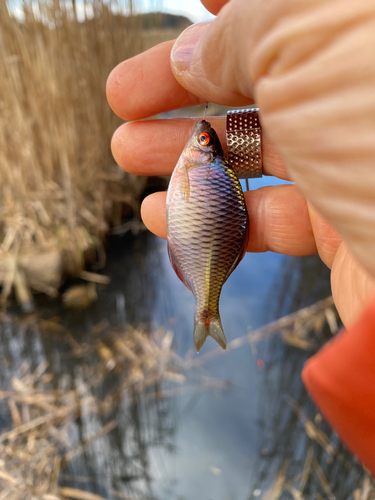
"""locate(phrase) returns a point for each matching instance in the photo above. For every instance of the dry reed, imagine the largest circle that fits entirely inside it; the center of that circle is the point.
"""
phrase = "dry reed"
(38, 444)
(59, 186)
(295, 487)
(301, 329)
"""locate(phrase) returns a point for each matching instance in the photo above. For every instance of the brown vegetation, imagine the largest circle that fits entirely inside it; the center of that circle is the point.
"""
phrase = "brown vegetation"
(44, 409)
(60, 189)
(117, 395)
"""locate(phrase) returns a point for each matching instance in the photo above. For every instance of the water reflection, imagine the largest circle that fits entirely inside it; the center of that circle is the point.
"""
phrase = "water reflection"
(78, 355)
(294, 440)
(111, 416)
(229, 442)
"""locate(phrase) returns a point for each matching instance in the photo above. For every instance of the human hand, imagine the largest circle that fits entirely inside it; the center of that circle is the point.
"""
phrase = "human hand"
(309, 67)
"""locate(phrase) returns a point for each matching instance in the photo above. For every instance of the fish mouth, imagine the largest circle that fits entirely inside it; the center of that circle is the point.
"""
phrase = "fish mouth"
(203, 125)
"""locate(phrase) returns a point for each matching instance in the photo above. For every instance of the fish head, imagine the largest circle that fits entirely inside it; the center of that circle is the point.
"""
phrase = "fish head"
(204, 144)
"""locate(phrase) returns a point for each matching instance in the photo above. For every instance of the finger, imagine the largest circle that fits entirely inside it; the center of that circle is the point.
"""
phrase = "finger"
(214, 6)
(144, 85)
(325, 234)
(152, 147)
(211, 59)
(279, 222)
(359, 286)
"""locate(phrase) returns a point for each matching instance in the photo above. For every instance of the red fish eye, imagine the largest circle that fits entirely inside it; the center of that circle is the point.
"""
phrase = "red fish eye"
(204, 139)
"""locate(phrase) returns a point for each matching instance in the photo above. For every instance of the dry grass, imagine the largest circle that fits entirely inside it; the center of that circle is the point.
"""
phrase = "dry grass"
(40, 443)
(312, 476)
(302, 329)
(59, 187)
(312, 471)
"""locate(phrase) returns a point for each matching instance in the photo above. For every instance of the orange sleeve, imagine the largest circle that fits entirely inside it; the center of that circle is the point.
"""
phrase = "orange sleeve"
(341, 380)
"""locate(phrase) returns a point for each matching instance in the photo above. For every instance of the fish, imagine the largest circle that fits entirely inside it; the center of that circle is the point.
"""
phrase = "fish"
(207, 226)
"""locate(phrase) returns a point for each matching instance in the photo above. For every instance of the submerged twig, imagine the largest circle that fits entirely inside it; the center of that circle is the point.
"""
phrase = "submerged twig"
(302, 318)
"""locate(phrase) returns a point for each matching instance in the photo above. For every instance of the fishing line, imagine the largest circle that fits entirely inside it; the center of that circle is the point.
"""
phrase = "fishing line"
(205, 111)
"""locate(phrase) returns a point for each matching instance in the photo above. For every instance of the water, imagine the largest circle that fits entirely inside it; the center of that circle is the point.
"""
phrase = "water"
(226, 444)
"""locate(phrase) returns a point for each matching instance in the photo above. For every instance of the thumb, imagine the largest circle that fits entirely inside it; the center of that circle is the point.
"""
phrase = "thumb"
(207, 59)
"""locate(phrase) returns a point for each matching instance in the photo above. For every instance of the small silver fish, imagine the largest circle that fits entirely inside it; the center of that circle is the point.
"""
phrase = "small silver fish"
(207, 225)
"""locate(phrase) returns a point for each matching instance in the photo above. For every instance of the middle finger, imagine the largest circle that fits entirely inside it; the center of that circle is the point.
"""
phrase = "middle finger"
(152, 147)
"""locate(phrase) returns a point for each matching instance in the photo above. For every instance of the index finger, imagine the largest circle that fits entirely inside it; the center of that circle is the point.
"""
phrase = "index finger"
(144, 85)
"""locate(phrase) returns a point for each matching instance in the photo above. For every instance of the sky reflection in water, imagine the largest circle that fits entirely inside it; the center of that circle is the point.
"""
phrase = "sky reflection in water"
(221, 445)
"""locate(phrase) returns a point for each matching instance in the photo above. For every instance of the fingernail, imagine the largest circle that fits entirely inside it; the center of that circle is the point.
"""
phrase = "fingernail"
(184, 47)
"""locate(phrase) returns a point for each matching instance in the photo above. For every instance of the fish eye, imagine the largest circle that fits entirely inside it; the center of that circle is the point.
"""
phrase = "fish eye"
(204, 139)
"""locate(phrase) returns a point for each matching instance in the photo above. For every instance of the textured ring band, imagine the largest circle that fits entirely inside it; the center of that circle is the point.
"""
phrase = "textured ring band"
(244, 142)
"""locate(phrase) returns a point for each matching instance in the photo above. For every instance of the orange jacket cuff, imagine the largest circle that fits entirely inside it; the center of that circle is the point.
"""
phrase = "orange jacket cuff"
(341, 380)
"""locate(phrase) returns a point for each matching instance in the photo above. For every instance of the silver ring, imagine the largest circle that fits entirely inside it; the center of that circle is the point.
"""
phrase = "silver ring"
(244, 142)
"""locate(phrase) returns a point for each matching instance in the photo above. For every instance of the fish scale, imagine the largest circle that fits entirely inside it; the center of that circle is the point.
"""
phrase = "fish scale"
(207, 226)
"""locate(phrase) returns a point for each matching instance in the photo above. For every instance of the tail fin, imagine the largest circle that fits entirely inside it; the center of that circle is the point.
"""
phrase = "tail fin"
(215, 330)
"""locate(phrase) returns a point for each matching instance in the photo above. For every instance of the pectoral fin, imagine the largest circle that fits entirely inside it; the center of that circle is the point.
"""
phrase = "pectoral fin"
(185, 184)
